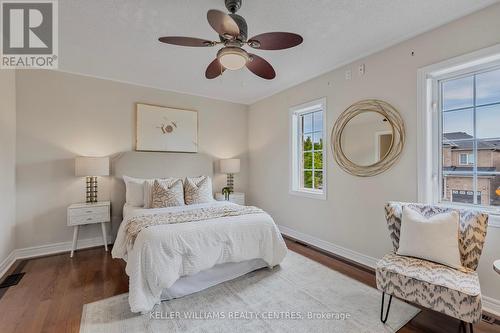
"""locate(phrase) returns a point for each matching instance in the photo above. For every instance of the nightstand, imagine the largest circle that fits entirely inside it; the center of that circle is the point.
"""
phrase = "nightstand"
(235, 197)
(89, 213)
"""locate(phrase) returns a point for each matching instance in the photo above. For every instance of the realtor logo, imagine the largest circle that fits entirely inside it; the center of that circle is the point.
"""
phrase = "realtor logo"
(29, 34)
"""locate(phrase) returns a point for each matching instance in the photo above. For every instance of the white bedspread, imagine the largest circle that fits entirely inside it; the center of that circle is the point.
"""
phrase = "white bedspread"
(162, 254)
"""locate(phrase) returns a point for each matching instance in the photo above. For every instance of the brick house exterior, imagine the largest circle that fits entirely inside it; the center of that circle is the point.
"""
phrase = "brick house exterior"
(458, 164)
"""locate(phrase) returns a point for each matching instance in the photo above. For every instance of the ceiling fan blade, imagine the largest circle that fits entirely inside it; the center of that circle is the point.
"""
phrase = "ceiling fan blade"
(275, 41)
(223, 24)
(214, 69)
(261, 67)
(186, 41)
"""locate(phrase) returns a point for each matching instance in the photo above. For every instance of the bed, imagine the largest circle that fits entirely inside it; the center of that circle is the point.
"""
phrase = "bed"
(168, 261)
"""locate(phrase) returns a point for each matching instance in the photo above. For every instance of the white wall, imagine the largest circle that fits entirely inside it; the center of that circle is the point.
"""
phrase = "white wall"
(353, 214)
(60, 116)
(7, 161)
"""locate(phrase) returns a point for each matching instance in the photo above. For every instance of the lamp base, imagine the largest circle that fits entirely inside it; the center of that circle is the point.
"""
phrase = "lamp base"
(230, 182)
(91, 196)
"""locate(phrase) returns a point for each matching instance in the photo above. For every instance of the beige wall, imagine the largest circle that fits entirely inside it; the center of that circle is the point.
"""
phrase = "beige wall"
(7, 161)
(353, 214)
(60, 116)
(360, 141)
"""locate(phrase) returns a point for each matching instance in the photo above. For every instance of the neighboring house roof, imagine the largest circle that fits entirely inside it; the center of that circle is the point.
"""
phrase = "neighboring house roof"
(457, 136)
(463, 141)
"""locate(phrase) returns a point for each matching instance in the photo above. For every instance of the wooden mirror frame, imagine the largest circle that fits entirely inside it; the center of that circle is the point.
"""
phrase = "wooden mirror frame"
(398, 137)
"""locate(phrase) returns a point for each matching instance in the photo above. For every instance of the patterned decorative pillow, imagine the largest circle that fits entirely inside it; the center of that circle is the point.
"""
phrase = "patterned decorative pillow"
(198, 190)
(167, 193)
(148, 189)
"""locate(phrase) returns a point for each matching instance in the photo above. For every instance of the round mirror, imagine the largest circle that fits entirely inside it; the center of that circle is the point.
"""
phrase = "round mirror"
(368, 138)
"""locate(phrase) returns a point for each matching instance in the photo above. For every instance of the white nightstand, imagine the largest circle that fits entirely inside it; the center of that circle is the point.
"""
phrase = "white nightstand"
(235, 197)
(89, 213)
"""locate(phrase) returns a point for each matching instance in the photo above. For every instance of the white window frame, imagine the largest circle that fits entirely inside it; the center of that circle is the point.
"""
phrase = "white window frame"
(469, 158)
(295, 150)
(428, 117)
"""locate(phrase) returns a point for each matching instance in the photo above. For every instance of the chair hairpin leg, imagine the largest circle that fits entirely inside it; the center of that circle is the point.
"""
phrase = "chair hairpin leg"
(382, 319)
(463, 327)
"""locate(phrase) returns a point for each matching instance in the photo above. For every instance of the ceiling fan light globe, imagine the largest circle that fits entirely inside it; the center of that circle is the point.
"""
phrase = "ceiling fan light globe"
(233, 58)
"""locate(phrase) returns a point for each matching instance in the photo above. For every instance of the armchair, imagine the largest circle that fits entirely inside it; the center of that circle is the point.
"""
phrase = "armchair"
(434, 286)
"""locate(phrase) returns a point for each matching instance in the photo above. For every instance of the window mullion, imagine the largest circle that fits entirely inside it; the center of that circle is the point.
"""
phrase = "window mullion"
(312, 150)
(301, 150)
(437, 116)
(474, 144)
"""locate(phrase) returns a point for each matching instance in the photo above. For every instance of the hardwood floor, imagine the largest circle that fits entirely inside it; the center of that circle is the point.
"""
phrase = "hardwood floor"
(51, 295)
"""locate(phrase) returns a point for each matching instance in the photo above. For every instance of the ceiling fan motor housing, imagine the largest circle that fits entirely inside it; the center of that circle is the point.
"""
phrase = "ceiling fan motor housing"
(242, 24)
(233, 5)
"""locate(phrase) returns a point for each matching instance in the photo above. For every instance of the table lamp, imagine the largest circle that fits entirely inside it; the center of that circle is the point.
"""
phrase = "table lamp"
(230, 167)
(91, 167)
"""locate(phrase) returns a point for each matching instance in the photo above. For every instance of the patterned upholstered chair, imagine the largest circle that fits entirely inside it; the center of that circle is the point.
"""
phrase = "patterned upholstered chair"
(431, 285)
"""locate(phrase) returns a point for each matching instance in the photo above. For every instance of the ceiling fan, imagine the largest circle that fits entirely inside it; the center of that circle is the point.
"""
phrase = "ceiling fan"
(233, 33)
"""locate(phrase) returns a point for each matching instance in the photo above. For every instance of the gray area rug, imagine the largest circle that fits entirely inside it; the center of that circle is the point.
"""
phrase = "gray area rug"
(298, 296)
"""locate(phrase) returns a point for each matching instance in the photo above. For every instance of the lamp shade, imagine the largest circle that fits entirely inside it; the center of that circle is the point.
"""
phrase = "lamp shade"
(91, 166)
(231, 165)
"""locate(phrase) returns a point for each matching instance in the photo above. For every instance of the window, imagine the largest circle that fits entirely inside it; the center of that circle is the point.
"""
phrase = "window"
(459, 143)
(308, 149)
(466, 158)
(469, 108)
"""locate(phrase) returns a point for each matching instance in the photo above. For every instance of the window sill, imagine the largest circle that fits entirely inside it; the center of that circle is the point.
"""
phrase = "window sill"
(309, 194)
(493, 212)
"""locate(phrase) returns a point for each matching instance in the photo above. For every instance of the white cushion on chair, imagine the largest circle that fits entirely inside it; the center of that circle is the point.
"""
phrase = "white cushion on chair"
(434, 238)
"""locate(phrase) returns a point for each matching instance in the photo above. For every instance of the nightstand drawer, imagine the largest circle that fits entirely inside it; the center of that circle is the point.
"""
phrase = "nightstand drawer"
(98, 210)
(88, 219)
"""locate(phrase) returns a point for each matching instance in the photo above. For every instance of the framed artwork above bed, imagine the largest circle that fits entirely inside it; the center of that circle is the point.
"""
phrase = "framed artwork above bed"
(166, 129)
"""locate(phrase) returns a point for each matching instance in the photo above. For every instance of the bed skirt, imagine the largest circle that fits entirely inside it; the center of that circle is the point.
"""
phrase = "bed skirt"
(205, 279)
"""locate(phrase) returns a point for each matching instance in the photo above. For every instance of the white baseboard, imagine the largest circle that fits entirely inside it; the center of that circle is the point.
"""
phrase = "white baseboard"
(490, 305)
(7, 263)
(46, 249)
(330, 247)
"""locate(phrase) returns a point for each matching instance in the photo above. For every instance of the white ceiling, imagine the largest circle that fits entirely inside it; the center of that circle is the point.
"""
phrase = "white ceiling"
(118, 39)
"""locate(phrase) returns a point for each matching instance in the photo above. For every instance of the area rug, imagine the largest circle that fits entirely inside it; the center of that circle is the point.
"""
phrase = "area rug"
(300, 295)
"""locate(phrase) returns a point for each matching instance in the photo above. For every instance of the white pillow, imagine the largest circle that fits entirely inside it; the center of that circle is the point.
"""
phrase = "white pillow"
(134, 191)
(434, 239)
(148, 192)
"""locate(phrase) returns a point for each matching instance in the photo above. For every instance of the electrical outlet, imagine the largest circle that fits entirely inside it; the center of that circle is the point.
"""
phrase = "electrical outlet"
(348, 74)
(361, 69)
